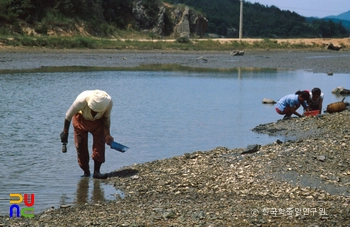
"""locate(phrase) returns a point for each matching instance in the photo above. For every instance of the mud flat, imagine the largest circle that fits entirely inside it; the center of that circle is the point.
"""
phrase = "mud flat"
(323, 61)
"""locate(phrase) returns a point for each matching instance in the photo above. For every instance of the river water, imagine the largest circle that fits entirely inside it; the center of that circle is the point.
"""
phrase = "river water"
(157, 114)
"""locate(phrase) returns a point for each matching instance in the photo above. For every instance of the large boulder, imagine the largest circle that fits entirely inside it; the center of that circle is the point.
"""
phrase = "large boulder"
(330, 46)
(341, 90)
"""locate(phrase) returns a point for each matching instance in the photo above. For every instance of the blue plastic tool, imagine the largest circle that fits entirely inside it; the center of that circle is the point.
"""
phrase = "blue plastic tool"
(119, 147)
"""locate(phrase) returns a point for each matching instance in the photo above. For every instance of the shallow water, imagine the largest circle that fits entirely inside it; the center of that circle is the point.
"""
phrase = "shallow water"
(157, 114)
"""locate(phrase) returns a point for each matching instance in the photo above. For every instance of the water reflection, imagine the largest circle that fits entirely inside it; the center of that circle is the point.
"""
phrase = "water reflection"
(88, 190)
(91, 190)
(146, 67)
(98, 188)
(83, 191)
(97, 192)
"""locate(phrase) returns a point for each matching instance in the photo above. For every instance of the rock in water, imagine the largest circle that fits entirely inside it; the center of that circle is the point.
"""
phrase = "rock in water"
(268, 101)
(251, 149)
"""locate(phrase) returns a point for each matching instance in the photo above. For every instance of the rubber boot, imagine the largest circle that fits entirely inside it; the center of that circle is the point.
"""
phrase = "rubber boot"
(97, 174)
(86, 173)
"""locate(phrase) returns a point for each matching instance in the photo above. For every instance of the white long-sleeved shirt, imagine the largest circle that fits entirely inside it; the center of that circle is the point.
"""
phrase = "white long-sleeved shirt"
(80, 105)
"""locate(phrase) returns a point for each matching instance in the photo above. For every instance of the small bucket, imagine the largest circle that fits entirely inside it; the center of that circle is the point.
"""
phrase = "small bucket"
(119, 147)
(311, 113)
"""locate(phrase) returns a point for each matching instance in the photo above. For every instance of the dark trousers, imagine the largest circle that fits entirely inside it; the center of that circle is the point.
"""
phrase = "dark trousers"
(81, 129)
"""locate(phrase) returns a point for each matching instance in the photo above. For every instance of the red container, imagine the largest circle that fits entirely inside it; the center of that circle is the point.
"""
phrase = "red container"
(311, 113)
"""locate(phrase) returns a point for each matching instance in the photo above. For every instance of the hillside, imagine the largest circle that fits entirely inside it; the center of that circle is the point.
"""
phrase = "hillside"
(157, 18)
(261, 21)
(343, 18)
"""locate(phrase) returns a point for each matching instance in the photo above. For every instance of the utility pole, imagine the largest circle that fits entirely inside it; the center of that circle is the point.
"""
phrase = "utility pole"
(241, 20)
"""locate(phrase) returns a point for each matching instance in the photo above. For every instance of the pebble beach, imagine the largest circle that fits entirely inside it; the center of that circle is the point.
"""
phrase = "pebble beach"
(299, 182)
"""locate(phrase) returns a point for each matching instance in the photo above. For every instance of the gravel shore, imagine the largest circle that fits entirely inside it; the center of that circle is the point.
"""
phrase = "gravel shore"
(302, 182)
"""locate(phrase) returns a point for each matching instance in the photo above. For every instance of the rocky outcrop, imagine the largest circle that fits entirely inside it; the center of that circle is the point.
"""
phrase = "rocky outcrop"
(182, 29)
(160, 25)
(200, 26)
(142, 18)
(186, 22)
(189, 22)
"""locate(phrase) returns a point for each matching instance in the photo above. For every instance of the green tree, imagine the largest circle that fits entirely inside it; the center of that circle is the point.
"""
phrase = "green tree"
(15, 9)
(168, 23)
(117, 12)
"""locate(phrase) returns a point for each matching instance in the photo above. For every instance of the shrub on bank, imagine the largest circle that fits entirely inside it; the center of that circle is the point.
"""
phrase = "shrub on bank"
(148, 44)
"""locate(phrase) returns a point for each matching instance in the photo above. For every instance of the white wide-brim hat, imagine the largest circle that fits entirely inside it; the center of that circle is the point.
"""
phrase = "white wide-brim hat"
(98, 100)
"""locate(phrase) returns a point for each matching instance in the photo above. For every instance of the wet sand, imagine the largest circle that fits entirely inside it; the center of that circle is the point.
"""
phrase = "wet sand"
(320, 61)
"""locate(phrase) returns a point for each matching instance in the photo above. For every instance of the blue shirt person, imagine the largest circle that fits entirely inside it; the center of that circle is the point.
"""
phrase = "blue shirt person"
(288, 104)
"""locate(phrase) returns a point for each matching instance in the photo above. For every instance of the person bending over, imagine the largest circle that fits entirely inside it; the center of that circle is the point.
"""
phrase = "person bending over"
(90, 113)
(288, 104)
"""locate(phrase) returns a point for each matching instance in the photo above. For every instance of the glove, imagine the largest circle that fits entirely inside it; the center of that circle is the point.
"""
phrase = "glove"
(64, 137)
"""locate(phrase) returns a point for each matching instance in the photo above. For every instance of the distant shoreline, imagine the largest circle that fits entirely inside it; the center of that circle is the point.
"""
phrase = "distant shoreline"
(318, 61)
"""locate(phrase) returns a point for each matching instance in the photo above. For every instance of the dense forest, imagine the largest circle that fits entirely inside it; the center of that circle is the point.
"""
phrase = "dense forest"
(103, 17)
